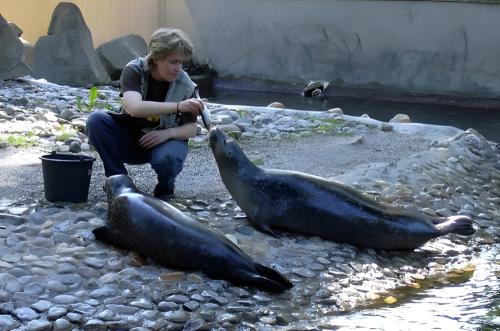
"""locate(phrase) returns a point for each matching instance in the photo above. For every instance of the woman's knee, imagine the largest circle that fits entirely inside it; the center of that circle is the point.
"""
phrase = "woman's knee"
(94, 121)
(167, 165)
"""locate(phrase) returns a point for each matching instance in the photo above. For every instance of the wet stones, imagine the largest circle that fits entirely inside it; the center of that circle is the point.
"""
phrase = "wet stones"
(53, 272)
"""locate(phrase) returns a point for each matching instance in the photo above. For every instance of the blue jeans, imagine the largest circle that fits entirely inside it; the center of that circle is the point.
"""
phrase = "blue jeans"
(117, 145)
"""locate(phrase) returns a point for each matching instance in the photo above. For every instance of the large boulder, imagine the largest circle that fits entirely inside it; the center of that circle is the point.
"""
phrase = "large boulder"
(66, 55)
(11, 53)
(28, 48)
(116, 53)
(28, 51)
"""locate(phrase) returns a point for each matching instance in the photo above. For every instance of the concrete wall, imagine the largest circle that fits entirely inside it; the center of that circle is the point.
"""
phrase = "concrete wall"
(428, 46)
(439, 47)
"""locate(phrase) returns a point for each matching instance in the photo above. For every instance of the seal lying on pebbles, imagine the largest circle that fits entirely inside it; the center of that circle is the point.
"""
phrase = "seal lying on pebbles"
(155, 229)
(307, 204)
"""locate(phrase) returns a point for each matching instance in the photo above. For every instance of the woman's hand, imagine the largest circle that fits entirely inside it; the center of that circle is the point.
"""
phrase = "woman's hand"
(192, 106)
(153, 138)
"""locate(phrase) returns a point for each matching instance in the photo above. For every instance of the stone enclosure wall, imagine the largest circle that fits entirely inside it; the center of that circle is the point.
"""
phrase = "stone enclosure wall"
(444, 47)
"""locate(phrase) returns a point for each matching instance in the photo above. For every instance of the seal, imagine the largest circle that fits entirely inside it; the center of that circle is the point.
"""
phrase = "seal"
(154, 228)
(302, 203)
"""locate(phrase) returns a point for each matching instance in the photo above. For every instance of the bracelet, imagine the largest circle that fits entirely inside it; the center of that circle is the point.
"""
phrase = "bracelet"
(177, 108)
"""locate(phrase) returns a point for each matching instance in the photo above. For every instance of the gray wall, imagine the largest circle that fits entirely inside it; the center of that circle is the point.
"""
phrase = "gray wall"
(439, 47)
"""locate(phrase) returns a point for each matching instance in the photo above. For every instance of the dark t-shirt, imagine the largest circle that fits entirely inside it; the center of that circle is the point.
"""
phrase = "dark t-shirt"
(130, 80)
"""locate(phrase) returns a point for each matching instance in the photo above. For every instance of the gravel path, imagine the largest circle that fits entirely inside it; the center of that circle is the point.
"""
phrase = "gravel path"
(322, 155)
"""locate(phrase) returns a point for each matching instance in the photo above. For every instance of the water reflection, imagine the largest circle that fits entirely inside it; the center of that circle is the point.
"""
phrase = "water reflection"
(472, 305)
(487, 122)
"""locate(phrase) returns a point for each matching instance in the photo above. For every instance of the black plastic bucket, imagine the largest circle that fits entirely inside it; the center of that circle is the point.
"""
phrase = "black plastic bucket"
(66, 177)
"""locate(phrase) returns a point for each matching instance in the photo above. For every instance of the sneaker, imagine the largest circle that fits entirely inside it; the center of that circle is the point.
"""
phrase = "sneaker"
(164, 195)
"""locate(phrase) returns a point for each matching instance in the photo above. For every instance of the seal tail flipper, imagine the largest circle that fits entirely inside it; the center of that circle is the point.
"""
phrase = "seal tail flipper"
(274, 275)
(266, 279)
(459, 224)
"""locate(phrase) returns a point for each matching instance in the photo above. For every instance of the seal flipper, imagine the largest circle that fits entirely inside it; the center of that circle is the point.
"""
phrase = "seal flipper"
(106, 234)
(457, 224)
(274, 275)
(268, 280)
(264, 228)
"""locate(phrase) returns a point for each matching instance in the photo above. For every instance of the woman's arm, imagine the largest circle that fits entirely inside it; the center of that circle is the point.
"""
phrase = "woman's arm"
(156, 137)
(136, 107)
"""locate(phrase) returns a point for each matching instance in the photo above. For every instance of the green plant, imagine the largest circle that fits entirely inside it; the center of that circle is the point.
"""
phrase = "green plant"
(27, 139)
(242, 112)
(327, 125)
(92, 97)
(79, 103)
(87, 107)
(236, 135)
(194, 144)
(258, 162)
(65, 132)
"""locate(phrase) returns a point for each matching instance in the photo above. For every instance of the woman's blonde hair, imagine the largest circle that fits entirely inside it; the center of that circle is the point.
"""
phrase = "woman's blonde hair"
(165, 41)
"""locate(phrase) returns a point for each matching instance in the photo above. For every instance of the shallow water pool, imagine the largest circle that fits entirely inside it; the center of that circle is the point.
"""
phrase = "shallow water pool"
(486, 121)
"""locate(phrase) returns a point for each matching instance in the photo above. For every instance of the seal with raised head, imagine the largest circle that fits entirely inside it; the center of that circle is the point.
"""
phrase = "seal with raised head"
(154, 228)
(302, 203)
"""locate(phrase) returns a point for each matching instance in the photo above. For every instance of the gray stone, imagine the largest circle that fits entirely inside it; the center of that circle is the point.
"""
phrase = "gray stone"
(56, 286)
(122, 309)
(66, 55)
(68, 279)
(26, 314)
(167, 306)
(178, 298)
(7, 322)
(230, 318)
(304, 272)
(400, 118)
(34, 288)
(215, 297)
(105, 291)
(94, 262)
(62, 324)
(107, 315)
(11, 53)
(83, 308)
(196, 325)
(142, 303)
(95, 324)
(55, 313)
(6, 308)
(178, 316)
(75, 318)
(65, 299)
(39, 325)
(75, 147)
(17, 30)
(68, 114)
(42, 305)
(191, 305)
(386, 127)
(115, 54)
